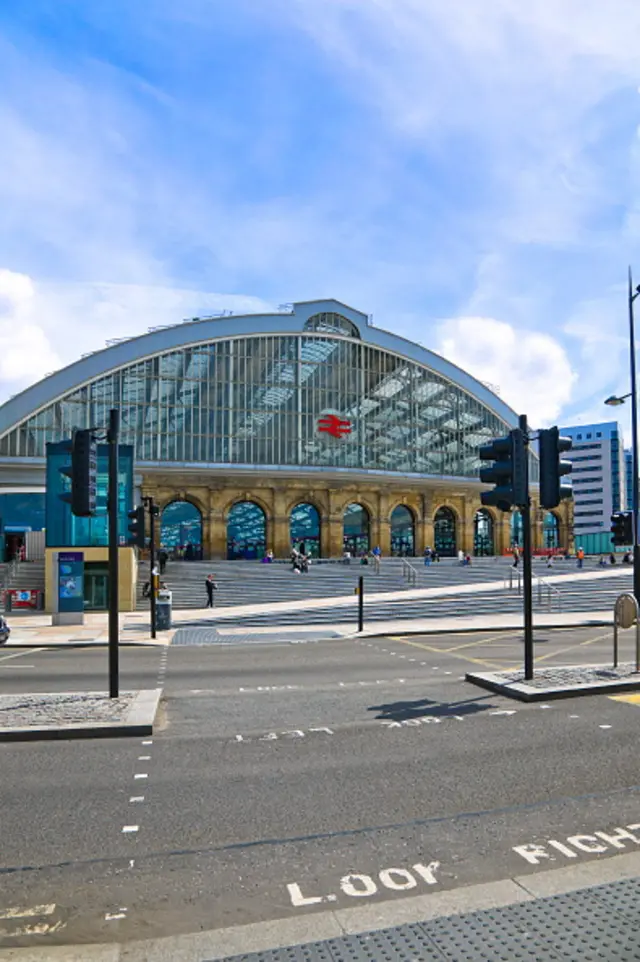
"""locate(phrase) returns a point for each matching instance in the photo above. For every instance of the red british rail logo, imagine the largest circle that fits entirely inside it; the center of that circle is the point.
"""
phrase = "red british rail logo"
(332, 424)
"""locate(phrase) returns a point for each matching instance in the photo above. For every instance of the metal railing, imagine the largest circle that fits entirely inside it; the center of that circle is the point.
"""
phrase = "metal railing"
(409, 572)
(553, 594)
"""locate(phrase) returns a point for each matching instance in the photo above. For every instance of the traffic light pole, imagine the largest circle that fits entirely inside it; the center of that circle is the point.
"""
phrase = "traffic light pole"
(634, 444)
(112, 441)
(525, 511)
(152, 563)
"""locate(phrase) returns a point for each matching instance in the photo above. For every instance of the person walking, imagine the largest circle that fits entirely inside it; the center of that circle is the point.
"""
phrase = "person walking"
(516, 555)
(580, 557)
(427, 557)
(163, 557)
(211, 586)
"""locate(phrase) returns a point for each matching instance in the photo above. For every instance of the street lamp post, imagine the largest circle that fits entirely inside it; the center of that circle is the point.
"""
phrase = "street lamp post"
(613, 400)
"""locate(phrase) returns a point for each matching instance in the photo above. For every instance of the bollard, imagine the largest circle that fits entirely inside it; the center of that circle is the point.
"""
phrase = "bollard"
(360, 603)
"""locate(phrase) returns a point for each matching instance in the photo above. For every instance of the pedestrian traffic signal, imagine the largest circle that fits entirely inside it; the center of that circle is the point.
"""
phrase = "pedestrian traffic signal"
(553, 468)
(622, 527)
(82, 472)
(136, 527)
(508, 472)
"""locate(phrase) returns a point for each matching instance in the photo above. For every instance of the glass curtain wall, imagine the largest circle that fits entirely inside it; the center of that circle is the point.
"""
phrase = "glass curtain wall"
(265, 401)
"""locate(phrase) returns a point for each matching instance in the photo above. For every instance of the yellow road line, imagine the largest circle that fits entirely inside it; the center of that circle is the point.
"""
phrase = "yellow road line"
(630, 699)
(443, 651)
(580, 644)
(484, 641)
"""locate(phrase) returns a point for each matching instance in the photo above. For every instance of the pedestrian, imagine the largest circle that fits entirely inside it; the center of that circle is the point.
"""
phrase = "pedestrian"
(146, 590)
(427, 557)
(550, 561)
(603, 561)
(467, 559)
(580, 557)
(612, 558)
(163, 557)
(516, 555)
(460, 557)
(211, 586)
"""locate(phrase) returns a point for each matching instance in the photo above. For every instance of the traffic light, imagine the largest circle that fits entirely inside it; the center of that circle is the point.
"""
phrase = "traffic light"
(136, 517)
(622, 527)
(508, 472)
(82, 471)
(553, 468)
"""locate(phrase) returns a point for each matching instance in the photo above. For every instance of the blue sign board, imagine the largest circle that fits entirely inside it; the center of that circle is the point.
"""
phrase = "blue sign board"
(70, 581)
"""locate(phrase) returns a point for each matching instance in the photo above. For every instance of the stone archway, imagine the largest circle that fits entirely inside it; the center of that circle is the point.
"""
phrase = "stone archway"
(445, 532)
(246, 531)
(356, 526)
(403, 531)
(305, 529)
(181, 530)
(551, 530)
(483, 536)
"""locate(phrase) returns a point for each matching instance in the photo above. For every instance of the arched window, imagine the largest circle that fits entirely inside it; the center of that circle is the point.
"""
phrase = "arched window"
(246, 531)
(551, 530)
(356, 529)
(444, 533)
(516, 529)
(304, 529)
(329, 323)
(181, 530)
(402, 532)
(483, 534)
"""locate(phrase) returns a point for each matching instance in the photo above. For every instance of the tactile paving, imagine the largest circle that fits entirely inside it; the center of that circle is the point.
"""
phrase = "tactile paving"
(600, 924)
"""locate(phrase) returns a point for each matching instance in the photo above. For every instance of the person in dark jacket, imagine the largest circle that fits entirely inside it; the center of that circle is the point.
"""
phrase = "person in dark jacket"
(211, 586)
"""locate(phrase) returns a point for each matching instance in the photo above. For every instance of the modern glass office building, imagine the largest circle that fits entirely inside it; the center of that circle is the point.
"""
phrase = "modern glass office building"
(308, 425)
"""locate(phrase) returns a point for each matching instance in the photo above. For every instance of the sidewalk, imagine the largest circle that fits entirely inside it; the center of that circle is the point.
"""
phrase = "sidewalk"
(573, 914)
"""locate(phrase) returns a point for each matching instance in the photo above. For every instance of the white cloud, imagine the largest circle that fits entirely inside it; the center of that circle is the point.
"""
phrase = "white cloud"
(531, 369)
(79, 318)
(26, 353)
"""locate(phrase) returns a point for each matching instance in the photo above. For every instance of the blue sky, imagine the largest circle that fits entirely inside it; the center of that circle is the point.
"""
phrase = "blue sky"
(468, 173)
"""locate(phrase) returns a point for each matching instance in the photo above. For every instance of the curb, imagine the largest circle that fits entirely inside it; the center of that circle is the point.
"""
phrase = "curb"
(521, 691)
(217, 944)
(139, 721)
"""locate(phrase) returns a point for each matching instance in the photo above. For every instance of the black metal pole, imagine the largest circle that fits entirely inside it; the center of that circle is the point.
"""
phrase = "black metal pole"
(152, 564)
(360, 603)
(526, 562)
(112, 440)
(634, 445)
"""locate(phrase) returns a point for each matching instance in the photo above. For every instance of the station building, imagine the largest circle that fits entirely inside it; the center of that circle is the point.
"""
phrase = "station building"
(307, 426)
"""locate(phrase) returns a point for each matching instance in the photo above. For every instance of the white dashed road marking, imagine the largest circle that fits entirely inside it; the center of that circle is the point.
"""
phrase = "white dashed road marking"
(130, 828)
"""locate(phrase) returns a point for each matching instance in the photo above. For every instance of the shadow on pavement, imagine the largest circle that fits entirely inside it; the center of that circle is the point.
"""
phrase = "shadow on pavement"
(427, 707)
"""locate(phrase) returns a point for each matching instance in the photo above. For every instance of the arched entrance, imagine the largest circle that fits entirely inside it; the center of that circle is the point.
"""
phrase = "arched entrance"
(246, 531)
(517, 537)
(444, 533)
(402, 532)
(483, 534)
(355, 529)
(304, 529)
(181, 530)
(551, 530)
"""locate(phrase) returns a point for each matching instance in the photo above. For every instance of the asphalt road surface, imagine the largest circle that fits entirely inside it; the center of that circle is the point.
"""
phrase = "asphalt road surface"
(286, 778)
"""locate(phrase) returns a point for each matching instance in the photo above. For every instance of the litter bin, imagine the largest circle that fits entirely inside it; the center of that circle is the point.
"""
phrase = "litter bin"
(163, 610)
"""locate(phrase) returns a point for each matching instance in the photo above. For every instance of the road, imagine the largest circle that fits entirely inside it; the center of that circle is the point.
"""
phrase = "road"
(284, 778)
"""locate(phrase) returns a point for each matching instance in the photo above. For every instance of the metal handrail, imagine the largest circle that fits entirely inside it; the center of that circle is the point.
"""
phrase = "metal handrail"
(409, 572)
(540, 583)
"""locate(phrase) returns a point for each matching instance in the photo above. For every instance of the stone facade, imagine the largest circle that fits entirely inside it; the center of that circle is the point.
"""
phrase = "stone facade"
(214, 496)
